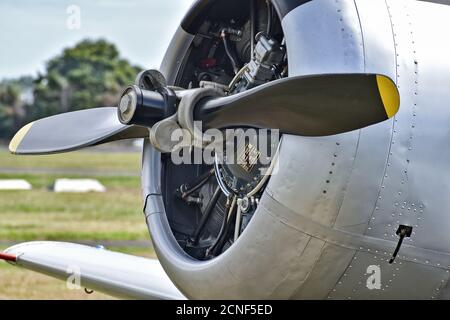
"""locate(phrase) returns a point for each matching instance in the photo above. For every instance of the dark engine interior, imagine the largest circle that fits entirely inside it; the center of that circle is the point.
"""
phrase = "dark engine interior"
(238, 45)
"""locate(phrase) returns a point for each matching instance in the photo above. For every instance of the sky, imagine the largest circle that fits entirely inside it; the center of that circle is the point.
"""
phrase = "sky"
(32, 32)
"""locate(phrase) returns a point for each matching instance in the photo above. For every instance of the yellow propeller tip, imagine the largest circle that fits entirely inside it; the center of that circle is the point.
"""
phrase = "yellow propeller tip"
(18, 137)
(389, 95)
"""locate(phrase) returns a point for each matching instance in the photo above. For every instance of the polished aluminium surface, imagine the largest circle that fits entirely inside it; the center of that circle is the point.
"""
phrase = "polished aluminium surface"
(177, 51)
(334, 206)
(331, 211)
(117, 274)
(385, 175)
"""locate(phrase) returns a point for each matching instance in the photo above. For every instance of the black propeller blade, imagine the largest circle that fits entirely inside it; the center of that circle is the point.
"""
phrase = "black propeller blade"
(72, 131)
(318, 105)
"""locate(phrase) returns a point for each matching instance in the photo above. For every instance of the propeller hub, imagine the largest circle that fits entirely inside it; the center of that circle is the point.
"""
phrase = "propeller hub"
(127, 105)
(144, 107)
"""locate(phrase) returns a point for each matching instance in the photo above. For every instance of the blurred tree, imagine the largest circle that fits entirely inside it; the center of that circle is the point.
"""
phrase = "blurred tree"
(90, 74)
(15, 97)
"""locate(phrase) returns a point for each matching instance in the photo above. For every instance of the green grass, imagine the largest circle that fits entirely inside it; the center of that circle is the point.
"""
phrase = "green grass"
(81, 160)
(40, 214)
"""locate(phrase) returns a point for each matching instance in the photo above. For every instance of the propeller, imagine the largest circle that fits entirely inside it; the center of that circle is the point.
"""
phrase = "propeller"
(316, 105)
(72, 131)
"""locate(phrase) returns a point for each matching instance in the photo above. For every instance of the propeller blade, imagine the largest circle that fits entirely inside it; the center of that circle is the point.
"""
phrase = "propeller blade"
(318, 105)
(72, 131)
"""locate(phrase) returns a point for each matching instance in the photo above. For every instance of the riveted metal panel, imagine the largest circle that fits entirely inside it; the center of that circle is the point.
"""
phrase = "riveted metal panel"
(315, 175)
(378, 39)
(324, 37)
(327, 272)
(256, 267)
(416, 183)
(306, 262)
(373, 146)
(354, 241)
(394, 278)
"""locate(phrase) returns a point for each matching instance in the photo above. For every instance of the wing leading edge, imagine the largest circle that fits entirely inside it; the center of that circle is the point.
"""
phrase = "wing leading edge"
(106, 271)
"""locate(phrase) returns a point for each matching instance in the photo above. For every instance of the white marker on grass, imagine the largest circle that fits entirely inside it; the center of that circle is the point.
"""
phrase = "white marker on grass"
(14, 184)
(78, 185)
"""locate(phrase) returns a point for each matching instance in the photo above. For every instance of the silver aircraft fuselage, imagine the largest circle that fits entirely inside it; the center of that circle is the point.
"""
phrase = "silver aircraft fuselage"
(331, 212)
(326, 225)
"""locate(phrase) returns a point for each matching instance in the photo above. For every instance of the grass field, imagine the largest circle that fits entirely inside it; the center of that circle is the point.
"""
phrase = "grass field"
(42, 215)
(99, 161)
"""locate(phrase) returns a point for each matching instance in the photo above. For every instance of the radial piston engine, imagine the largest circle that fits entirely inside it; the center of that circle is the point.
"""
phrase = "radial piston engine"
(263, 67)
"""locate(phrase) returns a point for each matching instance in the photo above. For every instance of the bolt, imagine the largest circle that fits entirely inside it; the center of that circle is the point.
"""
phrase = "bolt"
(126, 103)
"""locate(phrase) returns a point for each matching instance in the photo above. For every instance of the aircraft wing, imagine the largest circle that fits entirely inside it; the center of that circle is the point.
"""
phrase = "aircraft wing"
(113, 273)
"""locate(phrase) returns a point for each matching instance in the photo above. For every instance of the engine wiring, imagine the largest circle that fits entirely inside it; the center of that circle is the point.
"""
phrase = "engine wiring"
(231, 55)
